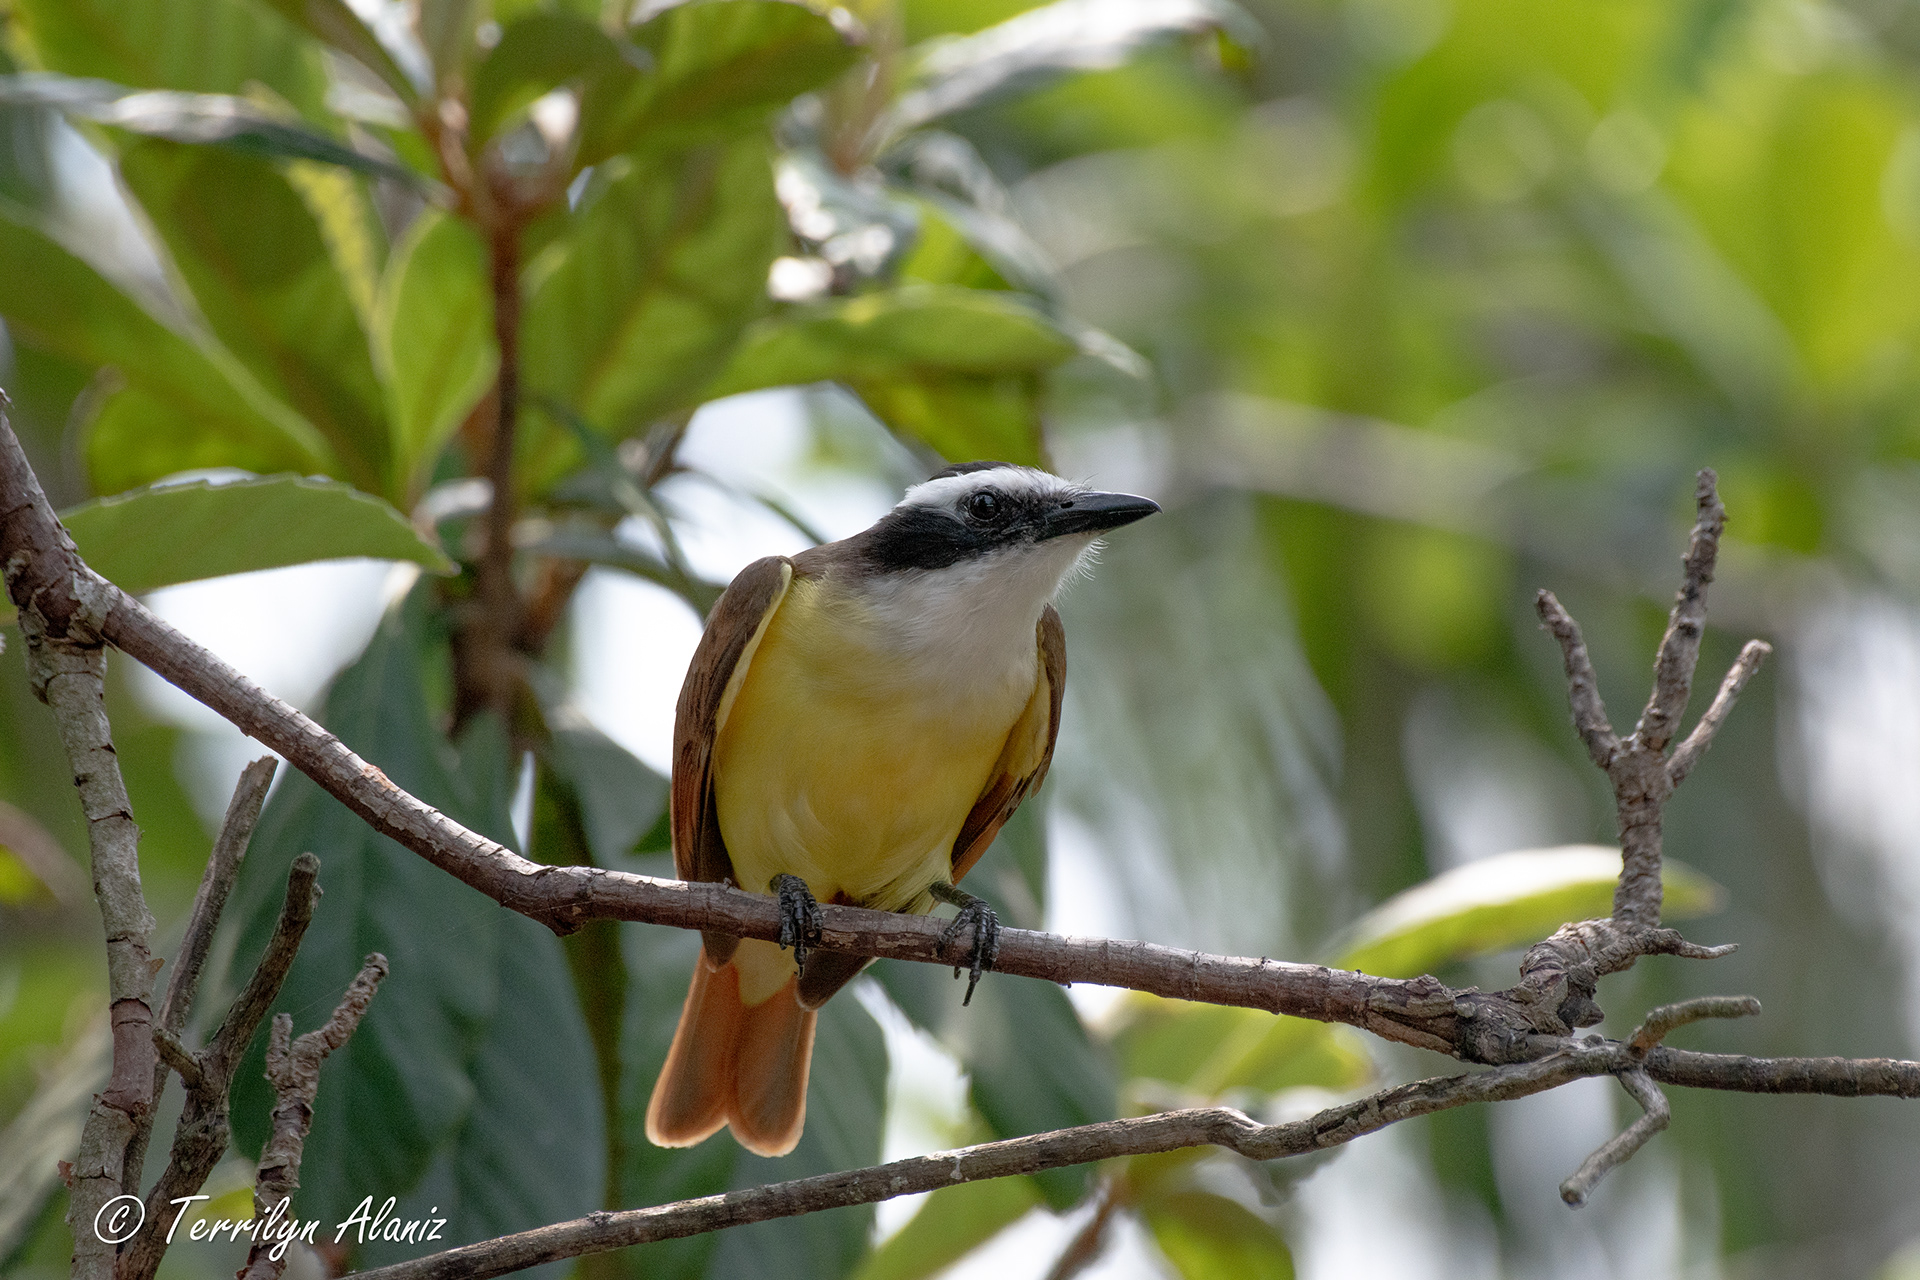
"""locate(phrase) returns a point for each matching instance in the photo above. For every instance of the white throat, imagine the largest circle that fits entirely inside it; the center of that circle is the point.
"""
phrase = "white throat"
(967, 630)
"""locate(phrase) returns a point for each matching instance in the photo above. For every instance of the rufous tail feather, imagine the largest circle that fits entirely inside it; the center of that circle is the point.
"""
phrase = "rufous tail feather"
(734, 1064)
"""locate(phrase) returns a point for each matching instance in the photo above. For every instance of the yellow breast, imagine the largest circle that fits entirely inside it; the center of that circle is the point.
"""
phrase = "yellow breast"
(842, 763)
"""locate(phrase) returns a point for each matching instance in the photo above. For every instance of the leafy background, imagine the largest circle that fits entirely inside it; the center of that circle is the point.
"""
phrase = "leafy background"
(1403, 308)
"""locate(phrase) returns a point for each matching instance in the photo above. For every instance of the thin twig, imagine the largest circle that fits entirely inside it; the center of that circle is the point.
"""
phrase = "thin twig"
(1084, 1249)
(216, 882)
(202, 1135)
(1680, 647)
(1583, 687)
(1618, 1149)
(293, 1067)
(1658, 1023)
(1695, 745)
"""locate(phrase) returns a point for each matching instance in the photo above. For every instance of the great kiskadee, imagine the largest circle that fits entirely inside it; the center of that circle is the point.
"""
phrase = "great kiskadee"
(857, 724)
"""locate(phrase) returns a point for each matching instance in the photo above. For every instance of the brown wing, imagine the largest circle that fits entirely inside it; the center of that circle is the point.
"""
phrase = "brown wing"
(734, 628)
(1029, 751)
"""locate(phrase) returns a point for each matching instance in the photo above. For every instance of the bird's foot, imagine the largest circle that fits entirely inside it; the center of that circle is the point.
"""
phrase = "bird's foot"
(985, 923)
(800, 922)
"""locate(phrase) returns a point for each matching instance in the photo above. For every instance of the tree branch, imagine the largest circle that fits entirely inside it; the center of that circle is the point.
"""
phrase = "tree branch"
(61, 605)
(1688, 753)
(201, 1137)
(216, 882)
(1618, 1149)
(293, 1067)
(1144, 1135)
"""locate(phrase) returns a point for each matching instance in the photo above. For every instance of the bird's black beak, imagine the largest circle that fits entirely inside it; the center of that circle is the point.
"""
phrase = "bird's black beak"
(1095, 513)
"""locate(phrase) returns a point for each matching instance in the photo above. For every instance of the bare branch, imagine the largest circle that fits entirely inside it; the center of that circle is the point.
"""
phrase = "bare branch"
(1583, 688)
(180, 1058)
(293, 1067)
(61, 604)
(1618, 1149)
(1659, 1022)
(1680, 647)
(201, 1137)
(216, 882)
(1688, 753)
(1145, 1135)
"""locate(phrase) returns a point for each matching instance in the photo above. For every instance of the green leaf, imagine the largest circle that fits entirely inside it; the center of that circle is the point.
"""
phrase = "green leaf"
(1030, 1064)
(1498, 903)
(659, 963)
(1031, 48)
(718, 67)
(180, 532)
(637, 305)
(950, 1225)
(446, 30)
(620, 798)
(956, 367)
(401, 1091)
(1209, 1237)
(433, 340)
(471, 1082)
(962, 418)
(335, 22)
(1208, 1050)
(208, 119)
(846, 1099)
(537, 53)
(187, 402)
(210, 46)
(919, 328)
(532, 1148)
(255, 260)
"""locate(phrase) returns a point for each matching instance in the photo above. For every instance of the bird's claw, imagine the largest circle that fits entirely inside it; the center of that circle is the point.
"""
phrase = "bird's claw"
(983, 920)
(800, 921)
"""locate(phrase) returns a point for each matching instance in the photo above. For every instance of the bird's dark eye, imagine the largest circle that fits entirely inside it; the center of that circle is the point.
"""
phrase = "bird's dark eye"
(985, 506)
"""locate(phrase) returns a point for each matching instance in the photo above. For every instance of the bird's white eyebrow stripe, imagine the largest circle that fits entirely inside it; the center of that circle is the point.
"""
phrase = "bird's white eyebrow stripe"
(1008, 479)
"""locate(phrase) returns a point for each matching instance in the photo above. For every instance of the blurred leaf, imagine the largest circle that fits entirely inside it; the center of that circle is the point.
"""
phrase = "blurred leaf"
(64, 306)
(954, 366)
(433, 340)
(935, 328)
(962, 417)
(47, 1131)
(335, 22)
(1029, 1062)
(400, 1091)
(151, 538)
(1209, 1237)
(637, 305)
(620, 798)
(950, 1224)
(201, 118)
(446, 30)
(846, 1097)
(659, 964)
(539, 52)
(253, 255)
(958, 72)
(718, 67)
(531, 1150)
(210, 46)
(1501, 902)
(1208, 1050)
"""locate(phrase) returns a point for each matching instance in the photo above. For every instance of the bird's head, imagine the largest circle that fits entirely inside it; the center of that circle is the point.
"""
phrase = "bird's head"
(998, 518)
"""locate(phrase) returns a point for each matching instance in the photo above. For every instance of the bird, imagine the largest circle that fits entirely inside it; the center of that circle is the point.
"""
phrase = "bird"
(857, 723)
